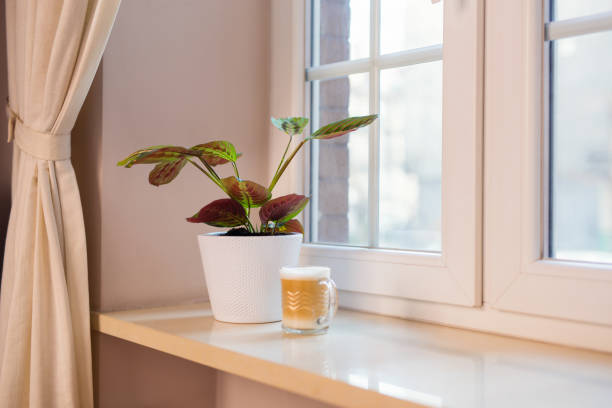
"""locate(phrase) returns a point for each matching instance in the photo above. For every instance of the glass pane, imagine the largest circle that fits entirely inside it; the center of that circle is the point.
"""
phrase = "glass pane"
(564, 9)
(581, 140)
(342, 213)
(411, 157)
(344, 30)
(408, 24)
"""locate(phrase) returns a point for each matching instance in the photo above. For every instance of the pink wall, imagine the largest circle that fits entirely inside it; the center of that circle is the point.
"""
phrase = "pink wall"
(133, 376)
(174, 72)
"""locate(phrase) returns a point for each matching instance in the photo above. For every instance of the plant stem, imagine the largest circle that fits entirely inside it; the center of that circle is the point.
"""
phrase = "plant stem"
(284, 154)
(247, 209)
(210, 169)
(284, 167)
(236, 170)
(214, 180)
(202, 170)
(248, 215)
(249, 226)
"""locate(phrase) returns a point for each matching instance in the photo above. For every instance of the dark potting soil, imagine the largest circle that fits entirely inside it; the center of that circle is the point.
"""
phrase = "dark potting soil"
(243, 232)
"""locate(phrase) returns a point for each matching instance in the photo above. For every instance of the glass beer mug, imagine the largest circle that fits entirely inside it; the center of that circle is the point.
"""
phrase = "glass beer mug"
(309, 299)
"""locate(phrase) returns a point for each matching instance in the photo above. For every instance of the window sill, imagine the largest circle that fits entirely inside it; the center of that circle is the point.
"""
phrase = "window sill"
(368, 360)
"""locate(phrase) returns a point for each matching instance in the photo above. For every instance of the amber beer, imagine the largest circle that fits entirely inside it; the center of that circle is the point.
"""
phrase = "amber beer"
(309, 299)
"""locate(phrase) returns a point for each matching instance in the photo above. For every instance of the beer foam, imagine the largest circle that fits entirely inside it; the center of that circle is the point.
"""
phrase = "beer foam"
(304, 272)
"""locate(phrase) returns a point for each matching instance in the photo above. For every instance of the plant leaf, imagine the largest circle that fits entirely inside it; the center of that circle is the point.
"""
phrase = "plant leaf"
(128, 161)
(246, 192)
(156, 154)
(282, 209)
(291, 226)
(163, 173)
(217, 152)
(221, 213)
(291, 126)
(343, 127)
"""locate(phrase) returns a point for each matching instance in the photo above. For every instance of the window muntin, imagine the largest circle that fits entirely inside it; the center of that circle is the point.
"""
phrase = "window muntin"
(580, 139)
(410, 124)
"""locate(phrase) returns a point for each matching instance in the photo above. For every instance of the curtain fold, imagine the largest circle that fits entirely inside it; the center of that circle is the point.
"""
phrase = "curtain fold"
(54, 48)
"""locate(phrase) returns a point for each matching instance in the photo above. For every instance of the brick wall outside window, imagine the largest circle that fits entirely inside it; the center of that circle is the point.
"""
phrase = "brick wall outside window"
(333, 105)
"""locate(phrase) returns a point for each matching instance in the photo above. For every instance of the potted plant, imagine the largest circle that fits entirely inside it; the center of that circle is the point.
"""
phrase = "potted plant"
(241, 265)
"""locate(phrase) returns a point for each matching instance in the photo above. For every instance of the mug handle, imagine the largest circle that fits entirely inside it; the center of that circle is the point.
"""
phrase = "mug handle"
(332, 301)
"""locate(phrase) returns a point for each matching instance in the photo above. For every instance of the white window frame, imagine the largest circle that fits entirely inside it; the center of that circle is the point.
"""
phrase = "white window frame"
(454, 275)
(522, 278)
(505, 90)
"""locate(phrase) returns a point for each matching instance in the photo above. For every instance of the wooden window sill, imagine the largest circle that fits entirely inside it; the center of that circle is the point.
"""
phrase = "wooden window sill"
(373, 361)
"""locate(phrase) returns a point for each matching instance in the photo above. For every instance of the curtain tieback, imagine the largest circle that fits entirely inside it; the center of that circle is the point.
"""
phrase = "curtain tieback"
(42, 145)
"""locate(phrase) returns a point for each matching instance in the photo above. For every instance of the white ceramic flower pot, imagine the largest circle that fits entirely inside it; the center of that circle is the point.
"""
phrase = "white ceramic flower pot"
(242, 274)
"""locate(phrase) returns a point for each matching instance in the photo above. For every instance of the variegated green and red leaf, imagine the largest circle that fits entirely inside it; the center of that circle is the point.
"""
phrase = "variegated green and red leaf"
(246, 192)
(164, 173)
(291, 126)
(217, 152)
(221, 213)
(282, 209)
(156, 154)
(128, 161)
(343, 127)
(215, 161)
(291, 226)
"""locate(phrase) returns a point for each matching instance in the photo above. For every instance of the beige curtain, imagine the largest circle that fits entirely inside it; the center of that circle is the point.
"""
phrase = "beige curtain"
(54, 48)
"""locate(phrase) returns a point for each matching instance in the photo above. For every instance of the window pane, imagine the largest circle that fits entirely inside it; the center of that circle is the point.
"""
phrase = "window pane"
(342, 213)
(345, 30)
(408, 24)
(581, 140)
(564, 9)
(411, 157)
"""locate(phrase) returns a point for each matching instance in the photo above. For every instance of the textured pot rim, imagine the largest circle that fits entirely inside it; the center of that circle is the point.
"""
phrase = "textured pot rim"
(220, 236)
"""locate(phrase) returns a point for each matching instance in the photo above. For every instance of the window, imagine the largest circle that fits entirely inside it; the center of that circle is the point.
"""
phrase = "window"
(382, 57)
(548, 163)
(403, 196)
(580, 132)
(511, 245)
